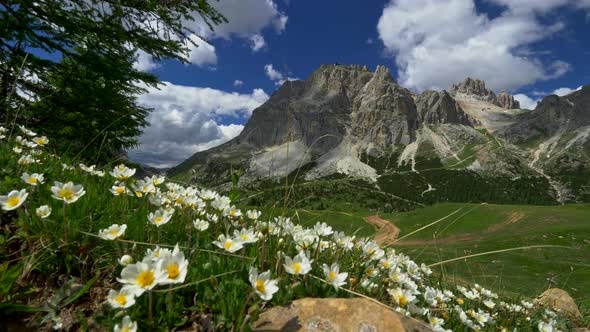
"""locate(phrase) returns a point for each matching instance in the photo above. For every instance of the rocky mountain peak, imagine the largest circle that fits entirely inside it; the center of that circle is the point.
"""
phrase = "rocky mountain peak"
(476, 89)
(435, 107)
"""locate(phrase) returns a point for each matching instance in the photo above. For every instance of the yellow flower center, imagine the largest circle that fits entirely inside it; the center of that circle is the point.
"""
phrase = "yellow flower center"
(32, 180)
(460, 301)
(386, 264)
(66, 194)
(332, 275)
(121, 299)
(125, 329)
(297, 267)
(245, 237)
(228, 244)
(13, 201)
(232, 213)
(260, 286)
(402, 300)
(120, 190)
(179, 200)
(114, 232)
(145, 279)
(158, 220)
(173, 272)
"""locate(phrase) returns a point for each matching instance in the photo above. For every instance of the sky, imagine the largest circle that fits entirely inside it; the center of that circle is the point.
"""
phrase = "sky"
(531, 48)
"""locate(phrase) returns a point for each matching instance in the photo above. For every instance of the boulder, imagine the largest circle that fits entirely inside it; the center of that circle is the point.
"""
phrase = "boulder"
(560, 301)
(337, 315)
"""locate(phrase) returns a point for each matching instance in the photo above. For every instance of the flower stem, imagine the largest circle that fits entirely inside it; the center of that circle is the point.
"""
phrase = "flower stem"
(65, 224)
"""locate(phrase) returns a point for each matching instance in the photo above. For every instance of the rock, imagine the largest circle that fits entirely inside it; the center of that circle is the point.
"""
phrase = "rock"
(560, 301)
(435, 107)
(338, 315)
(476, 89)
(507, 101)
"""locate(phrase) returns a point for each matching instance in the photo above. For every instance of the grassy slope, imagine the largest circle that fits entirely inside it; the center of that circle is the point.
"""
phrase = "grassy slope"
(486, 227)
(492, 227)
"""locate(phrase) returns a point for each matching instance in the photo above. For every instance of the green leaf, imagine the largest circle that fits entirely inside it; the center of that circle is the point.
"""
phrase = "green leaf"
(80, 292)
(7, 308)
(9, 276)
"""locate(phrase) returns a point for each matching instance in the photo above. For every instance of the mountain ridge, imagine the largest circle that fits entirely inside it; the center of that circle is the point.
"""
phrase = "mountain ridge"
(341, 114)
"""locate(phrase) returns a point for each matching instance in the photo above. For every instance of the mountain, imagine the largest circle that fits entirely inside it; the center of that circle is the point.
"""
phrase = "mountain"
(349, 134)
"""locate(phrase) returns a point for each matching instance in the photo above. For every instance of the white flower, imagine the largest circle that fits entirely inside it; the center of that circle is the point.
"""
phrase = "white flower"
(127, 325)
(112, 232)
(229, 244)
(27, 159)
(401, 297)
(43, 211)
(122, 172)
(68, 192)
(233, 212)
(221, 203)
(160, 217)
(41, 141)
(126, 260)
(333, 276)
(87, 169)
(300, 264)
(545, 327)
(17, 150)
(27, 131)
(142, 276)
(253, 214)
(246, 235)
(322, 229)
(156, 254)
(33, 179)
(200, 224)
(13, 200)
(121, 299)
(489, 303)
(262, 284)
(175, 266)
(119, 189)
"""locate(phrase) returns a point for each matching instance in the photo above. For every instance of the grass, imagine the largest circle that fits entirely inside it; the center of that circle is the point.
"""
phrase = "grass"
(488, 227)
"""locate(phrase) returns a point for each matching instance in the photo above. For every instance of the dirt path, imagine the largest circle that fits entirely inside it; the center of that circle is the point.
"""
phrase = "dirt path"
(387, 232)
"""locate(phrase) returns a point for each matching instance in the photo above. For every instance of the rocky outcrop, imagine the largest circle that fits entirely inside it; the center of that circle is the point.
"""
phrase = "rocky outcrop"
(507, 101)
(560, 301)
(336, 315)
(436, 107)
(384, 113)
(553, 115)
(476, 89)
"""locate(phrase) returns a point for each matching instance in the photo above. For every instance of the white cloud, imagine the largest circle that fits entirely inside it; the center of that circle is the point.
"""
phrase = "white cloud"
(257, 42)
(144, 61)
(526, 102)
(563, 91)
(202, 53)
(440, 42)
(276, 76)
(272, 73)
(246, 19)
(185, 121)
(238, 83)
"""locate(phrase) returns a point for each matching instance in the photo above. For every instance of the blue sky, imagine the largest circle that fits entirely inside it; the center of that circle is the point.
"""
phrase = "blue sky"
(529, 47)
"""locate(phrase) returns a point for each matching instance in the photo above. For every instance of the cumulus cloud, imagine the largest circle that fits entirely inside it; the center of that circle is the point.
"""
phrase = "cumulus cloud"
(238, 83)
(272, 73)
(439, 42)
(185, 120)
(144, 62)
(257, 42)
(277, 76)
(526, 102)
(246, 19)
(201, 53)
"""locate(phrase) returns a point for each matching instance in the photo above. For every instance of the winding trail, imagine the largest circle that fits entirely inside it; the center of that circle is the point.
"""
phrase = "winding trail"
(387, 232)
